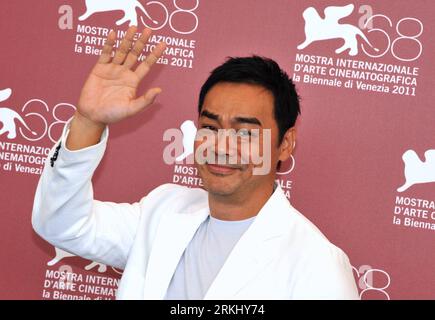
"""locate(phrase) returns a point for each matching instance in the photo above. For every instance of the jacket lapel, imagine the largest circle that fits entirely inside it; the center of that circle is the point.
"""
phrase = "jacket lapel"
(258, 246)
(172, 237)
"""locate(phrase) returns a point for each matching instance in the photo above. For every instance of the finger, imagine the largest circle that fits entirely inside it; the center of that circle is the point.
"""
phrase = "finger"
(145, 66)
(106, 52)
(144, 100)
(137, 48)
(124, 48)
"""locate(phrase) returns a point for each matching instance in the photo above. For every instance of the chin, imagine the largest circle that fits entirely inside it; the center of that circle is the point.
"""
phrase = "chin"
(219, 185)
(218, 190)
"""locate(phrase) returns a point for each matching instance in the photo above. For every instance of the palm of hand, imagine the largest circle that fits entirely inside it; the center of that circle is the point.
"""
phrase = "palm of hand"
(108, 93)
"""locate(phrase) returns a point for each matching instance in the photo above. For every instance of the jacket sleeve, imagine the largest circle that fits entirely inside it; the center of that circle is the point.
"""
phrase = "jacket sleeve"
(66, 215)
(326, 275)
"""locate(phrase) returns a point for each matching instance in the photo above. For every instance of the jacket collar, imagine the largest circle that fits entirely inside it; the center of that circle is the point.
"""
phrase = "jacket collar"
(251, 254)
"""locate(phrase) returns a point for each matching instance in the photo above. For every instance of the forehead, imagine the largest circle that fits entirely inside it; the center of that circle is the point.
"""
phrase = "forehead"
(239, 99)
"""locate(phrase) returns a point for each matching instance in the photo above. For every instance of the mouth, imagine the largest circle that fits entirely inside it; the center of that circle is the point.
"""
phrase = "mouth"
(221, 169)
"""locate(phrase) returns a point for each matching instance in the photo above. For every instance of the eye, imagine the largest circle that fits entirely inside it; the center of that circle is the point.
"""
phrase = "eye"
(243, 133)
(209, 127)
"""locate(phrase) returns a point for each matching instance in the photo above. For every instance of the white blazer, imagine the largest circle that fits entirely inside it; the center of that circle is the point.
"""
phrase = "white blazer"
(281, 256)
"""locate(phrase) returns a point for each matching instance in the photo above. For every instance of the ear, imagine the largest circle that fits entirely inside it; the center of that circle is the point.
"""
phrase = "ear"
(287, 144)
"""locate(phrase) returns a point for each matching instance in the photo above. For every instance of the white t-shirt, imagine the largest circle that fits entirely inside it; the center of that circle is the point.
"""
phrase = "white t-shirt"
(204, 257)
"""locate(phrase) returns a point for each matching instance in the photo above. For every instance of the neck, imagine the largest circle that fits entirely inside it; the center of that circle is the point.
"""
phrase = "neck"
(241, 205)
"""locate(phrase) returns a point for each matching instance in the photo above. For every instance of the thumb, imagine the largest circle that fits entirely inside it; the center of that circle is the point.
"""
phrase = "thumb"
(145, 100)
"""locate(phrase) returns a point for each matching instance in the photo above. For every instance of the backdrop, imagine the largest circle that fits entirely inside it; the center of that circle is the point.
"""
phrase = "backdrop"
(364, 166)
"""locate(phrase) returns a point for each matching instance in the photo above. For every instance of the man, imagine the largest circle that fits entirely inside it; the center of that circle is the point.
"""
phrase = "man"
(238, 239)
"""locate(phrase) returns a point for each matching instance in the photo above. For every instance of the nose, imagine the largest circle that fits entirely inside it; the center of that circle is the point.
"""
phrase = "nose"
(226, 143)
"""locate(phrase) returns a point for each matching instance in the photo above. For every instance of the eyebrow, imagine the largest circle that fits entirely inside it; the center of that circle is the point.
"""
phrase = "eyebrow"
(213, 116)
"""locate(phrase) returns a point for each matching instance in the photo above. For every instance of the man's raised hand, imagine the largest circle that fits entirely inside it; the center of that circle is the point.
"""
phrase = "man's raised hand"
(109, 93)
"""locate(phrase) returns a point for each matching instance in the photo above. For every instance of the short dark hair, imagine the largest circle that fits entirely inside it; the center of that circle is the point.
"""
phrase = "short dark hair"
(264, 72)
